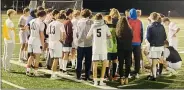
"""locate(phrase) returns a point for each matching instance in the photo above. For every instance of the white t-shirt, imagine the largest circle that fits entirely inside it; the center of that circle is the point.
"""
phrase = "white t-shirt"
(172, 30)
(22, 20)
(36, 26)
(99, 34)
(74, 23)
(166, 53)
(54, 31)
(11, 33)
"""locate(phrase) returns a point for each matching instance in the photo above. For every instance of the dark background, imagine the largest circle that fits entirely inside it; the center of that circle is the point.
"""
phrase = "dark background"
(147, 6)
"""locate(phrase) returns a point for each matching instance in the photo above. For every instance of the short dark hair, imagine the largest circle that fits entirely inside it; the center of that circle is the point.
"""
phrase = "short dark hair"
(25, 10)
(68, 11)
(98, 16)
(41, 14)
(49, 10)
(39, 8)
(166, 42)
(165, 19)
(62, 16)
(86, 13)
(54, 12)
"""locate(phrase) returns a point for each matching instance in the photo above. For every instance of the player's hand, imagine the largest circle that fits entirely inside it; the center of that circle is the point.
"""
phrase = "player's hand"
(174, 35)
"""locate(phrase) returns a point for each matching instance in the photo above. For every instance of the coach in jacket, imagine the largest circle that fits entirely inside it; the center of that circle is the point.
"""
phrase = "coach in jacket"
(156, 36)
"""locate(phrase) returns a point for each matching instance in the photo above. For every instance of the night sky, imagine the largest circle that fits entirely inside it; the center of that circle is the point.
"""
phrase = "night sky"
(147, 6)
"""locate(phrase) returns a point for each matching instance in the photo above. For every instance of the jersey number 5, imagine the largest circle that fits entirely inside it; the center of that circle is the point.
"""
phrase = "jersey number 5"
(99, 32)
(52, 29)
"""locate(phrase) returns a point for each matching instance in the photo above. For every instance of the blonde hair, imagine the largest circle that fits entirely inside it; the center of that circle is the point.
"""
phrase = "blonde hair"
(76, 13)
(108, 19)
(98, 16)
(62, 12)
(139, 13)
(114, 13)
(154, 16)
(11, 11)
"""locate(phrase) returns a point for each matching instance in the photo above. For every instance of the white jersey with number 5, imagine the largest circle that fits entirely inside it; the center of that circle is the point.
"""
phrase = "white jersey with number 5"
(36, 26)
(54, 31)
(99, 31)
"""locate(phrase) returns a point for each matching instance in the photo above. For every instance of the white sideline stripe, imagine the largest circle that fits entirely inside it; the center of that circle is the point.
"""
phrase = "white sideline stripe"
(11, 84)
(64, 76)
(181, 52)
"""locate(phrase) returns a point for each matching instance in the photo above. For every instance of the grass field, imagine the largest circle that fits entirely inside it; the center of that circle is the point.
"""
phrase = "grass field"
(19, 78)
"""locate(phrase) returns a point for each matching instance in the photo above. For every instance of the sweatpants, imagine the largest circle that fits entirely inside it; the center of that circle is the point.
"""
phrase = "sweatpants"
(124, 56)
(8, 53)
(137, 56)
(84, 52)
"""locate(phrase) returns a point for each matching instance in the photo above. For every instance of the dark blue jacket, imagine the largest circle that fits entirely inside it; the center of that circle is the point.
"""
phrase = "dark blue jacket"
(156, 34)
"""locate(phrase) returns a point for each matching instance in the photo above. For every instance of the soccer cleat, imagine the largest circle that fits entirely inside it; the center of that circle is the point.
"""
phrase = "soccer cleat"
(102, 83)
(153, 79)
(28, 73)
(129, 76)
(137, 76)
(54, 77)
(95, 83)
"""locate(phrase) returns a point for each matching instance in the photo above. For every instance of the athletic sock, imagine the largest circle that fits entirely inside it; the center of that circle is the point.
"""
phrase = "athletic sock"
(25, 54)
(154, 72)
(65, 64)
(141, 61)
(60, 64)
(73, 62)
(95, 81)
(107, 72)
(161, 68)
(21, 55)
(114, 69)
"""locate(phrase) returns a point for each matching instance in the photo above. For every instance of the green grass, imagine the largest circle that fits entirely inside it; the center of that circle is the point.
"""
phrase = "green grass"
(18, 77)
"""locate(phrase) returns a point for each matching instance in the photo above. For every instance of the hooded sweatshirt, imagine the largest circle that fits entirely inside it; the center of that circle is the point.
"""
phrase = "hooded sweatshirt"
(136, 27)
(99, 32)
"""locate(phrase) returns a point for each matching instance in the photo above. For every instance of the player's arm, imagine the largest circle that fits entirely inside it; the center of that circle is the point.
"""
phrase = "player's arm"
(20, 24)
(63, 34)
(177, 30)
(90, 33)
(108, 32)
(42, 36)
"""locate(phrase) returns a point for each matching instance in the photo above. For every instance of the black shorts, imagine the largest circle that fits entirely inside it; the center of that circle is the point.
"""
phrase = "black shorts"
(112, 56)
(67, 45)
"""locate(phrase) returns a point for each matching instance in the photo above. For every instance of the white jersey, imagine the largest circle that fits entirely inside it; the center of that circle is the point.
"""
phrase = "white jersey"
(54, 31)
(36, 26)
(99, 31)
(172, 30)
(74, 23)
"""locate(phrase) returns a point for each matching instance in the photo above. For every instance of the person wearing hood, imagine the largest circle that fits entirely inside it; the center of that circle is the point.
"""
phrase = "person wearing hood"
(156, 36)
(84, 46)
(137, 30)
(99, 33)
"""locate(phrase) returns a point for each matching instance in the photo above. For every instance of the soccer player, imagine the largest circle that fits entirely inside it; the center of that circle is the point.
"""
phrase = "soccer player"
(75, 19)
(100, 33)
(23, 34)
(84, 46)
(114, 13)
(112, 48)
(156, 36)
(137, 29)
(172, 34)
(173, 59)
(9, 39)
(124, 45)
(56, 33)
(67, 45)
(36, 41)
(127, 13)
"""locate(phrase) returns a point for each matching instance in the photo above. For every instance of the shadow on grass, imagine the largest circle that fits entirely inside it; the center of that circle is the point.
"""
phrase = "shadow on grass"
(143, 84)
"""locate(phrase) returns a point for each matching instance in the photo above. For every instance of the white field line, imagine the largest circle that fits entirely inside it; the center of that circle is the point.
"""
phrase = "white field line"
(64, 76)
(11, 84)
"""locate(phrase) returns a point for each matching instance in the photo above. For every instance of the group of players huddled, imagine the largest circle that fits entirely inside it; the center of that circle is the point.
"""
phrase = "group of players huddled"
(84, 40)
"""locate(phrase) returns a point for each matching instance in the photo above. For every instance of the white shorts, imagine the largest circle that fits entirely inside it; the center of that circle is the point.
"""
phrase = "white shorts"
(55, 53)
(34, 49)
(175, 65)
(67, 49)
(156, 52)
(23, 36)
(96, 57)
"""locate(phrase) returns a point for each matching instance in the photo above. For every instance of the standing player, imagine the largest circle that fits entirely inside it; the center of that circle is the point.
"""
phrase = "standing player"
(56, 31)
(67, 45)
(75, 19)
(84, 46)
(156, 36)
(112, 48)
(23, 34)
(100, 32)
(9, 39)
(173, 30)
(136, 26)
(36, 41)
